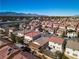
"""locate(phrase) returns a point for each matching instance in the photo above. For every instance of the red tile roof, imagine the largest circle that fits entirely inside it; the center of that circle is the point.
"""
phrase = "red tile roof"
(56, 40)
(32, 34)
(4, 51)
(55, 24)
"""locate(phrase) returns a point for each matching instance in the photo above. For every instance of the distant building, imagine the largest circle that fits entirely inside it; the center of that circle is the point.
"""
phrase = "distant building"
(71, 27)
(50, 24)
(63, 26)
(51, 31)
(72, 34)
(61, 32)
(55, 25)
(12, 29)
(2, 29)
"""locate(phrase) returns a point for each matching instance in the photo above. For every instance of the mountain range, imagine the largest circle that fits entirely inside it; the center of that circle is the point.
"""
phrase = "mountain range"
(20, 14)
(17, 14)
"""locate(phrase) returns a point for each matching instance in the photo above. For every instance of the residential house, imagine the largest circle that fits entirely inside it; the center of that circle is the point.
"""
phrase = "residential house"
(72, 49)
(61, 32)
(22, 33)
(30, 36)
(55, 44)
(78, 28)
(7, 50)
(2, 29)
(62, 26)
(40, 42)
(50, 24)
(12, 29)
(71, 27)
(3, 42)
(55, 25)
(51, 31)
(24, 55)
(72, 34)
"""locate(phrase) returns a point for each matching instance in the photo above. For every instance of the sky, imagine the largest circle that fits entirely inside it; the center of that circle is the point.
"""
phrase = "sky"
(42, 7)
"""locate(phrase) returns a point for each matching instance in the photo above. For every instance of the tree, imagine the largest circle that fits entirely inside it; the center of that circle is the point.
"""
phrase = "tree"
(2, 32)
(57, 55)
(78, 34)
(13, 38)
(16, 39)
(63, 34)
(40, 28)
(19, 39)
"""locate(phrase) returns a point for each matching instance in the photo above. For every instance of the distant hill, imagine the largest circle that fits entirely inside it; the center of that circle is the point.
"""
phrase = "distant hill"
(17, 14)
(76, 15)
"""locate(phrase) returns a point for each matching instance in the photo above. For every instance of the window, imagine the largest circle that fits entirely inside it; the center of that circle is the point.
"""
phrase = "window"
(53, 46)
(73, 49)
(59, 44)
(67, 52)
(74, 54)
(58, 47)
(50, 45)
